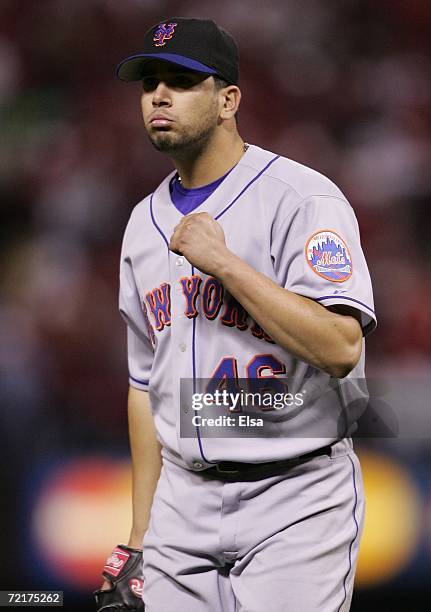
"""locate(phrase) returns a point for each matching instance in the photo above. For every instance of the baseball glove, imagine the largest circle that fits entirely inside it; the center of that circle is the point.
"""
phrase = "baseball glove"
(123, 569)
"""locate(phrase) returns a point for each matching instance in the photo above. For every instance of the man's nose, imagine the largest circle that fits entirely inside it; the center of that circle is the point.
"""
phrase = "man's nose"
(161, 95)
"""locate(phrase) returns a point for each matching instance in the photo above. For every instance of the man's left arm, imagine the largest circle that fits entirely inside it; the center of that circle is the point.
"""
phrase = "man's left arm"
(314, 334)
(304, 328)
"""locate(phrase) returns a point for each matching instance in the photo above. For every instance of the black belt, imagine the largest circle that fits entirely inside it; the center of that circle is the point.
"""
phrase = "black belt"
(236, 470)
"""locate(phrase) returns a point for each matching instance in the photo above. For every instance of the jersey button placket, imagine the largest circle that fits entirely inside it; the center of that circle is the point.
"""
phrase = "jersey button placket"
(181, 338)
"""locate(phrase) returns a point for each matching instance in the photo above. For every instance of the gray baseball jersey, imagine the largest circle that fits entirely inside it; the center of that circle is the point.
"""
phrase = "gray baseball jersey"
(288, 222)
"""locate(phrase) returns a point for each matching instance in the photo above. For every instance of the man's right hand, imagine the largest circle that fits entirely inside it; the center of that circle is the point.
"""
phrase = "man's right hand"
(123, 584)
(106, 585)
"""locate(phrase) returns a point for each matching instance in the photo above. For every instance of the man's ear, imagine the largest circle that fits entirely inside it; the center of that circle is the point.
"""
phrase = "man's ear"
(231, 100)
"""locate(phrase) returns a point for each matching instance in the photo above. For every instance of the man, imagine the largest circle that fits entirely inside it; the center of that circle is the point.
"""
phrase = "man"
(242, 265)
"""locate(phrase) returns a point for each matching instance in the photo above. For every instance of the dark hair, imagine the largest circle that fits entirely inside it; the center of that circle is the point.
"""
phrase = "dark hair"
(220, 83)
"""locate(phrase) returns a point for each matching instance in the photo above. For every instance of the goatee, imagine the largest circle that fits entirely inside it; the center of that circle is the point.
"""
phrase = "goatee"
(185, 144)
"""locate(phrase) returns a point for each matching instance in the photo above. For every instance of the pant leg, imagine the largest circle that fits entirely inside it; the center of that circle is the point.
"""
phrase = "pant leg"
(183, 570)
(308, 564)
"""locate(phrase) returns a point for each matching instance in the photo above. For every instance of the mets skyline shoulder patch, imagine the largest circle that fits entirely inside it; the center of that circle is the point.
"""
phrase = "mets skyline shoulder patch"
(328, 256)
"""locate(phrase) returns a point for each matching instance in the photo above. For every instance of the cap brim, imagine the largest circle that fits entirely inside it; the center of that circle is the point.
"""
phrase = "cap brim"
(132, 68)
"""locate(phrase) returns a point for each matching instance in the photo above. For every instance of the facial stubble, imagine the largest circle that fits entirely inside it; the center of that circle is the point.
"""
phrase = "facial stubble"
(192, 141)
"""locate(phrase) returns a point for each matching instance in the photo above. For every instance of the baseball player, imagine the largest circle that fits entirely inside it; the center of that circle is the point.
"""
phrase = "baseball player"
(242, 268)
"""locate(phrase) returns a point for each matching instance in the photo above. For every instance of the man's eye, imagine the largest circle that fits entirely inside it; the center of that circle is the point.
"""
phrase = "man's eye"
(182, 81)
(149, 83)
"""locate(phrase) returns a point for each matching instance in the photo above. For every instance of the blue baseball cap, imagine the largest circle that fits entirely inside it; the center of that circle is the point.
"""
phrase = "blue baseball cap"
(196, 44)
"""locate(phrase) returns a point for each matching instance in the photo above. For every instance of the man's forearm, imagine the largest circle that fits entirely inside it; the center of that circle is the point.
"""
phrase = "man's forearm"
(304, 328)
(146, 462)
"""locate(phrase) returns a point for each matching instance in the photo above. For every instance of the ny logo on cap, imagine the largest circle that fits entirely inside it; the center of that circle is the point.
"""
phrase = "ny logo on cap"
(163, 33)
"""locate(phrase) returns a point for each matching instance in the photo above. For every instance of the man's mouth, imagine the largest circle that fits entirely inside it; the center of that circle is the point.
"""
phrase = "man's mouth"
(160, 121)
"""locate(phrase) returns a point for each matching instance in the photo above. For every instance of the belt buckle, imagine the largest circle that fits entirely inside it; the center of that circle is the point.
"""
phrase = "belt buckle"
(221, 471)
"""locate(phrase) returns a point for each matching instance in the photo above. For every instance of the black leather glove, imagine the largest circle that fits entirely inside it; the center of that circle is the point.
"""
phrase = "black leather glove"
(123, 569)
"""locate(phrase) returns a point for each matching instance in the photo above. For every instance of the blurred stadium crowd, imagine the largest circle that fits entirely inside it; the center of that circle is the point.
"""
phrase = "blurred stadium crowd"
(343, 87)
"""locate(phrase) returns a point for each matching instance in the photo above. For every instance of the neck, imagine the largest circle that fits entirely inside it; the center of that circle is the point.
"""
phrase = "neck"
(209, 163)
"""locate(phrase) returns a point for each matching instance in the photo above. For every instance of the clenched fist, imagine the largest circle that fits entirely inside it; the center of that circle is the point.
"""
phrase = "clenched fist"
(201, 240)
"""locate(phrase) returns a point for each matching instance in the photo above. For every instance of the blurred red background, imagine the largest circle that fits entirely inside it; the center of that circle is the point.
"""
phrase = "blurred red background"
(343, 87)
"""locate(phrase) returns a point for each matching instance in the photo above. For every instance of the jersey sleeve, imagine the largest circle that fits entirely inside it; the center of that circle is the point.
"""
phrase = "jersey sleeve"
(317, 253)
(140, 351)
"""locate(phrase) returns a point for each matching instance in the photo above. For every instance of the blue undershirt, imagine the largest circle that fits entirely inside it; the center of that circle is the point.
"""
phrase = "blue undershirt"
(187, 200)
